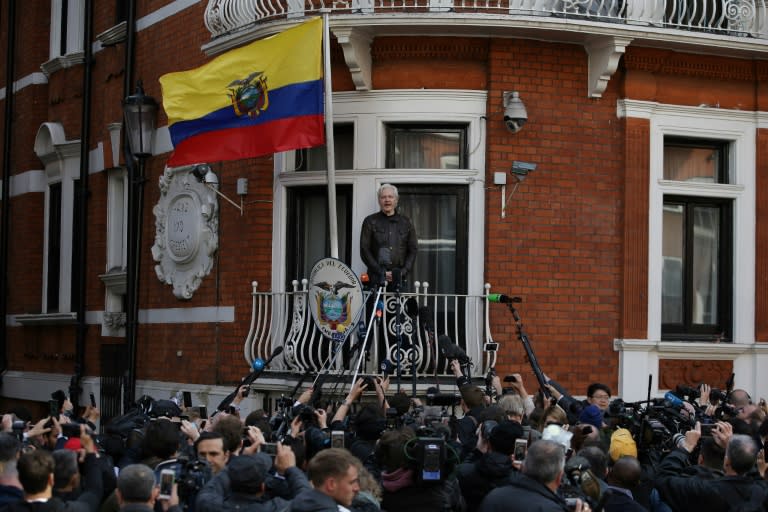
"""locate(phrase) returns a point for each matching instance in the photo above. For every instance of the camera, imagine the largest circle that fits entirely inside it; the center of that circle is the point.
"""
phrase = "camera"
(190, 475)
(515, 114)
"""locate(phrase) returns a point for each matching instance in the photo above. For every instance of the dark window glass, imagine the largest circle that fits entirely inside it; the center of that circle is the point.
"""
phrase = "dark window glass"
(695, 161)
(54, 247)
(75, 292)
(63, 21)
(697, 271)
(315, 159)
(307, 239)
(426, 147)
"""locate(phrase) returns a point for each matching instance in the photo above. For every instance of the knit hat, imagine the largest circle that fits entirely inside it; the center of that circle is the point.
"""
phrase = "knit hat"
(503, 436)
(622, 445)
(248, 472)
(592, 415)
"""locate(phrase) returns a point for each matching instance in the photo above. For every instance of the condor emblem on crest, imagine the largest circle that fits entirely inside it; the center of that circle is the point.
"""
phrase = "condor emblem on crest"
(249, 96)
(336, 297)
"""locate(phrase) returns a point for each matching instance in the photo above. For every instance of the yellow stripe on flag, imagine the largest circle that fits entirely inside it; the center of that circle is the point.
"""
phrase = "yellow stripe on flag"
(292, 56)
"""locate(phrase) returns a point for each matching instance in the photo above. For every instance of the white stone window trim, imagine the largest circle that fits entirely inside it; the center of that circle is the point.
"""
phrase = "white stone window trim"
(370, 111)
(640, 358)
(75, 32)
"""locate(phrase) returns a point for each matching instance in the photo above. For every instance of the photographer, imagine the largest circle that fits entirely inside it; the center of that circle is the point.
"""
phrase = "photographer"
(493, 467)
(535, 487)
(739, 486)
(404, 491)
(242, 484)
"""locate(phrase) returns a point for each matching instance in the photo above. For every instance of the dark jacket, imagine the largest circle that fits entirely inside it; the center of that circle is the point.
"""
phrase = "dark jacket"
(619, 501)
(313, 501)
(216, 495)
(683, 493)
(394, 232)
(10, 494)
(523, 494)
(405, 494)
(478, 478)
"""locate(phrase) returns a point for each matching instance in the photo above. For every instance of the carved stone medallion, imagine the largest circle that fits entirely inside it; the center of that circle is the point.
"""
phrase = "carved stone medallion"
(186, 231)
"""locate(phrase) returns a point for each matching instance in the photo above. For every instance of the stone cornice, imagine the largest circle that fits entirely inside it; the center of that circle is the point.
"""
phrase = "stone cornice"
(392, 48)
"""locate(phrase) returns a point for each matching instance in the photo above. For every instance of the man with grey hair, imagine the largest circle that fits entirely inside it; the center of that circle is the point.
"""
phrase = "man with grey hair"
(388, 242)
(136, 490)
(10, 487)
(740, 484)
(535, 487)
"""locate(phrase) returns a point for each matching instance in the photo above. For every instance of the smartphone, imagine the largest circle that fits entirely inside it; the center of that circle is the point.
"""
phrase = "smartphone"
(270, 449)
(187, 399)
(53, 408)
(337, 439)
(203, 412)
(510, 378)
(706, 429)
(93, 400)
(167, 478)
(521, 448)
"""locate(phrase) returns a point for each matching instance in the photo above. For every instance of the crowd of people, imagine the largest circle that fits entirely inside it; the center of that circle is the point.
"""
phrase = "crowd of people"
(483, 448)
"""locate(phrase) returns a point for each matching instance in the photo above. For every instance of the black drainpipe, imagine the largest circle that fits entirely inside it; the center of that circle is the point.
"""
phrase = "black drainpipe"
(134, 224)
(83, 191)
(10, 64)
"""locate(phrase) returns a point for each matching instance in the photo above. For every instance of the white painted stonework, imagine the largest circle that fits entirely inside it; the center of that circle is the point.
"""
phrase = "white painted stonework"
(186, 231)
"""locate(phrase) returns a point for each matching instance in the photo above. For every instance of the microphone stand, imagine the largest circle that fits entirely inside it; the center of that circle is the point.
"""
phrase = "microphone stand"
(398, 329)
(364, 348)
(523, 337)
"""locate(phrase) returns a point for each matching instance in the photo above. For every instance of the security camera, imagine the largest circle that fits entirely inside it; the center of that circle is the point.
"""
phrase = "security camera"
(515, 114)
(205, 174)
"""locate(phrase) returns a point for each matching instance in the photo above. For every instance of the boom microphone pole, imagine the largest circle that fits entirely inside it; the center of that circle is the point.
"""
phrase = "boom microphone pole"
(249, 379)
(523, 337)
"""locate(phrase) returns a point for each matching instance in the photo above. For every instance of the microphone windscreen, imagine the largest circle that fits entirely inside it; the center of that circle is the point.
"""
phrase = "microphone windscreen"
(411, 307)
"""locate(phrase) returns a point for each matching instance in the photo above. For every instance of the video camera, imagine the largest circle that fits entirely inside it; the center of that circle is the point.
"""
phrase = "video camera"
(191, 475)
(429, 455)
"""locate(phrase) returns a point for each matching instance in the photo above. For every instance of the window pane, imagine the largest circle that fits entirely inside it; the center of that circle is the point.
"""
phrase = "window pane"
(672, 249)
(688, 163)
(315, 159)
(706, 247)
(426, 147)
(307, 232)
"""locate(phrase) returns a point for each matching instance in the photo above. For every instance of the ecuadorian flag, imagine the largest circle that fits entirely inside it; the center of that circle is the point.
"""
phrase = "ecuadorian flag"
(259, 99)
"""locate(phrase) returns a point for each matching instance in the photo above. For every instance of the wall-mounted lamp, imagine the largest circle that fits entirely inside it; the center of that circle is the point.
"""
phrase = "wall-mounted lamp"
(140, 112)
(206, 176)
(515, 114)
(520, 171)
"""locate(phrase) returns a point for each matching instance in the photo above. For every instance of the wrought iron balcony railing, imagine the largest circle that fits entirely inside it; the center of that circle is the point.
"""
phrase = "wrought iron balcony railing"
(744, 18)
(283, 319)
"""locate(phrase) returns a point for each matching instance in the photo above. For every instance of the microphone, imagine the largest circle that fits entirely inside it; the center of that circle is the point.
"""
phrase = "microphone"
(450, 350)
(258, 366)
(504, 299)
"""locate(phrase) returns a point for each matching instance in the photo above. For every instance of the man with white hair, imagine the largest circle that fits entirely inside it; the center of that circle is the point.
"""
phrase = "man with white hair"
(388, 242)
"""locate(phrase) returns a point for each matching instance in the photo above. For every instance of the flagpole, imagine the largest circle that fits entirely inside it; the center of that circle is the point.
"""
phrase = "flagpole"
(333, 230)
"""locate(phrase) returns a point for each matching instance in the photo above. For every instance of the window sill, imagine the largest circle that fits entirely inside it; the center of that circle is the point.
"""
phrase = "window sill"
(62, 62)
(113, 35)
(46, 319)
(688, 349)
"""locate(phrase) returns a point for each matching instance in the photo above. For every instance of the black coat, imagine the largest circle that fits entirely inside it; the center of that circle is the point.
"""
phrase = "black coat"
(684, 493)
(478, 478)
(523, 494)
(313, 501)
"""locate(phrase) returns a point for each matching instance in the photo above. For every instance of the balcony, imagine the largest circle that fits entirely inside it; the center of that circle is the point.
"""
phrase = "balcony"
(283, 319)
(728, 17)
(733, 28)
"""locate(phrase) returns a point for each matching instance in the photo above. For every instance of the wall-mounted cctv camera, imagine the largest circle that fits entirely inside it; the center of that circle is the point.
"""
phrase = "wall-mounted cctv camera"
(205, 174)
(515, 114)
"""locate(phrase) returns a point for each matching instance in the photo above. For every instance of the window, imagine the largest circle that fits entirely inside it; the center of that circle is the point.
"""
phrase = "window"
(307, 239)
(67, 25)
(426, 147)
(315, 159)
(696, 244)
(439, 215)
(54, 246)
(696, 271)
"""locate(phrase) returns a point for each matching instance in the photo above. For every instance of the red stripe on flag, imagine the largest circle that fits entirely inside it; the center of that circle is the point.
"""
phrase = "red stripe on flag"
(259, 140)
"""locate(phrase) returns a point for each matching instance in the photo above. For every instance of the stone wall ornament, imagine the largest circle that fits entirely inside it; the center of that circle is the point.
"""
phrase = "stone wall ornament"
(186, 231)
